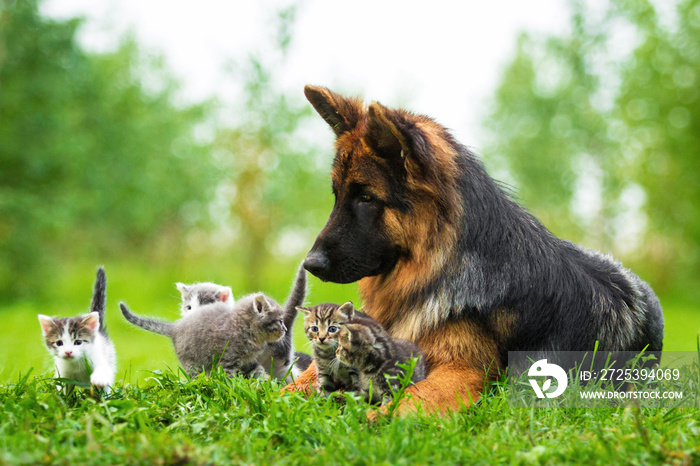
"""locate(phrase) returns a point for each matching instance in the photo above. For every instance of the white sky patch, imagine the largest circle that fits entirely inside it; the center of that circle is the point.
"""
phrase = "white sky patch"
(442, 58)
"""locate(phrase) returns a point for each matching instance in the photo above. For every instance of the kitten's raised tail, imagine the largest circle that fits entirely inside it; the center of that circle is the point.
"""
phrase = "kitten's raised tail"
(99, 298)
(296, 297)
(152, 325)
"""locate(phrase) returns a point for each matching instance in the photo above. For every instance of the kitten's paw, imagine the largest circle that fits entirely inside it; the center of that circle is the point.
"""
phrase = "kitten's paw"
(101, 379)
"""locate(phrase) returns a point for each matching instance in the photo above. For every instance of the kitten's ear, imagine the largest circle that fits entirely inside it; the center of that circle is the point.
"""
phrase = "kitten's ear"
(225, 294)
(182, 288)
(260, 303)
(304, 310)
(347, 310)
(360, 333)
(46, 323)
(92, 321)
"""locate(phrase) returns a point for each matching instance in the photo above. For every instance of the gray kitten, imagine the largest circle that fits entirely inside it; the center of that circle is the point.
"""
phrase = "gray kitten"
(80, 346)
(232, 337)
(278, 358)
(376, 355)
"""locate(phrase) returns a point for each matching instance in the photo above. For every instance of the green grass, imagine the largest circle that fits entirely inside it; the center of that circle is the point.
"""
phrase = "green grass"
(172, 419)
(158, 416)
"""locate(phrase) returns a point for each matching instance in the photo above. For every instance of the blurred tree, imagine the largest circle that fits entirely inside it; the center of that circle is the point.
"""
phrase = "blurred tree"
(274, 193)
(658, 108)
(599, 131)
(91, 159)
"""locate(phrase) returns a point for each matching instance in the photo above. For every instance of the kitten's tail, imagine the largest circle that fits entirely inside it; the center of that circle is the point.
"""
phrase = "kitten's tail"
(296, 297)
(99, 298)
(152, 325)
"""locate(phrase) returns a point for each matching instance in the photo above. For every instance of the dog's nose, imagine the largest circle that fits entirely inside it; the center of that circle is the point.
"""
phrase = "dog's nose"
(316, 262)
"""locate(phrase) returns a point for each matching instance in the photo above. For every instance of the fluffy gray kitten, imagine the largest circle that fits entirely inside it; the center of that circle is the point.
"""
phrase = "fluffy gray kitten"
(375, 354)
(80, 346)
(217, 334)
(278, 358)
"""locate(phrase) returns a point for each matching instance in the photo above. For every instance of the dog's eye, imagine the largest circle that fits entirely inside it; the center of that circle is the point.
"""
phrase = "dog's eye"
(366, 198)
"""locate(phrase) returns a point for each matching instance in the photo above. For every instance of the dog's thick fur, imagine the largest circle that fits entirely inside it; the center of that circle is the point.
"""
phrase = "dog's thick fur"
(446, 259)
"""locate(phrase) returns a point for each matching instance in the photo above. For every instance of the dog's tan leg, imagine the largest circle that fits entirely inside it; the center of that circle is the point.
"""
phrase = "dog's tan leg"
(447, 388)
(306, 382)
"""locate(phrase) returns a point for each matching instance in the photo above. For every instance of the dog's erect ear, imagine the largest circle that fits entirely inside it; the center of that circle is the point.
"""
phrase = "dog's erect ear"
(395, 136)
(387, 132)
(341, 113)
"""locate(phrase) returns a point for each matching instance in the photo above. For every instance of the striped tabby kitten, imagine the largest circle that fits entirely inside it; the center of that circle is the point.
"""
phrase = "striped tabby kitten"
(376, 354)
(200, 294)
(232, 337)
(80, 346)
(322, 324)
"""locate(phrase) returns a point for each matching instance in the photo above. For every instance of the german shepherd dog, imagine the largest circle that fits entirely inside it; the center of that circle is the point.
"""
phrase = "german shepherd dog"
(446, 259)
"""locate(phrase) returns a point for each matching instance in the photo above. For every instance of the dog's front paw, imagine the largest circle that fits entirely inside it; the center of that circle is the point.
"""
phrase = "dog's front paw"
(373, 415)
(297, 387)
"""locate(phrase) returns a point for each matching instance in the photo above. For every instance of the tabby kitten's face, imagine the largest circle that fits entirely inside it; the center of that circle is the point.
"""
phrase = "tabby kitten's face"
(322, 323)
(355, 341)
(69, 338)
(200, 294)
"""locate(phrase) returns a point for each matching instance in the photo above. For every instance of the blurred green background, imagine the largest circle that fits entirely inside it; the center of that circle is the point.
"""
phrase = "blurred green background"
(102, 164)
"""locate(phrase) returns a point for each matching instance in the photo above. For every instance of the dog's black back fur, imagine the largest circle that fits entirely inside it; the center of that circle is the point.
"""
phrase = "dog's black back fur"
(565, 297)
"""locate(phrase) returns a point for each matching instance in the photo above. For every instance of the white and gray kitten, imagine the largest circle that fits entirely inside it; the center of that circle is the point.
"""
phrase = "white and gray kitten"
(80, 346)
(218, 334)
(200, 294)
